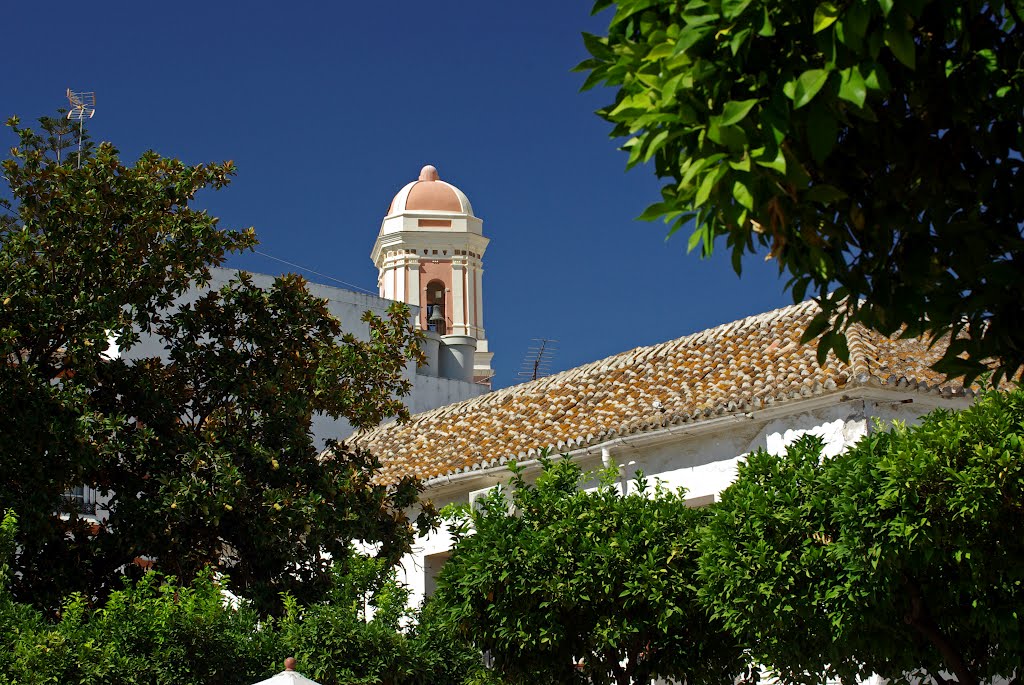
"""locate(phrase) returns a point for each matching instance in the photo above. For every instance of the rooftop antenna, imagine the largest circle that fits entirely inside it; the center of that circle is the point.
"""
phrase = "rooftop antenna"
(538, 359)
(82, 107)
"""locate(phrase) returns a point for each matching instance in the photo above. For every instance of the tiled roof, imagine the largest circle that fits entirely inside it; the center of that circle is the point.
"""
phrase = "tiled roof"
(737, 367)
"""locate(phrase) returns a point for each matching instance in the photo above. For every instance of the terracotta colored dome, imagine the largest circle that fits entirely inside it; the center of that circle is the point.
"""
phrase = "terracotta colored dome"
(429, 193)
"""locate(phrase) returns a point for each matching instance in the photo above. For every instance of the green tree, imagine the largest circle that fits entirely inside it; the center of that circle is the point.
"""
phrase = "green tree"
(356, 635)
(206, 453)
(158, 630)
(900, 557)
(576, 586)
(872, 147)
(61, 138)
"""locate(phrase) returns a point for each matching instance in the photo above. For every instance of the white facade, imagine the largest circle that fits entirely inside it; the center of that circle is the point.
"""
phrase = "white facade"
(702, 457)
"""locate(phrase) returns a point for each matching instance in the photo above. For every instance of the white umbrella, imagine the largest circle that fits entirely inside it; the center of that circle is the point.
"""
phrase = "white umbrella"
(289, 676)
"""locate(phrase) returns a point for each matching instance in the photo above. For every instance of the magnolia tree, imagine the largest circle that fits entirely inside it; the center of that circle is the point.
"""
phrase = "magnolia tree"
(206, 453)
(562, 585)
(872, 147)
(901, 556)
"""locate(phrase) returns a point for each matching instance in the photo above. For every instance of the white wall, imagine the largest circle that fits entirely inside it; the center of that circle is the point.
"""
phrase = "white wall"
(348, 306)
(701, 458)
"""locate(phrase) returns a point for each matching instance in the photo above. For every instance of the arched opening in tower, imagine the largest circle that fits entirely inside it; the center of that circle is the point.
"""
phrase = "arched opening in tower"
(436, 318)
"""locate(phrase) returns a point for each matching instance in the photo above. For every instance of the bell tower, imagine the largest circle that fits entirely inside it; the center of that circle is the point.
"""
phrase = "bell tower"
(429, 254)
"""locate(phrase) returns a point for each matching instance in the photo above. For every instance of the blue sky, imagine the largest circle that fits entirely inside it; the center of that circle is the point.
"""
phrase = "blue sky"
(329, 108)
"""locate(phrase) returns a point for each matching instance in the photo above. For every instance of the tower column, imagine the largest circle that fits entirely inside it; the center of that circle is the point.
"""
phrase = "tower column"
(412, 267)
(459, 324)
(472, 323)
(479, 274)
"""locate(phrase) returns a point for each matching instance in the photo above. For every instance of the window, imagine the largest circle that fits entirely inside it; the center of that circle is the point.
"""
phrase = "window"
(432, 565)
(81, 500)
(436, 320)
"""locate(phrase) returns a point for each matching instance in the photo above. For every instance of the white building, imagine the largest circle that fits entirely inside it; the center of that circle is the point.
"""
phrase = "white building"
(685, 411)
(429, 253)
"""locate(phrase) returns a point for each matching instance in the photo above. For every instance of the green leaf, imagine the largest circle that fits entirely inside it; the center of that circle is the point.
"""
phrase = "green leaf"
(818, 325)
(734, 8)
(735, 110)
(689, 37)
(840, 346)
(656, 143)
(638, 102)
(696, 238)
(886, 6)
(660, 52)
(852, 87)
(738, 40)
(732, 137)
(989, 59)
(767, 30)
(597, 46)
(704, 191)
(742, 165)
(655, 211)
(776, 163)
(856, 20)
(808, 85)
(824, 16)
(822, 132)
(901, 43)
(824, 345)
(877, 79)
(742, 194)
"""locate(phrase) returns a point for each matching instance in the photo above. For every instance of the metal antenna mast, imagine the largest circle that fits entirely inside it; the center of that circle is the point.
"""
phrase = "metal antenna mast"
(538, 359)
(82, 107)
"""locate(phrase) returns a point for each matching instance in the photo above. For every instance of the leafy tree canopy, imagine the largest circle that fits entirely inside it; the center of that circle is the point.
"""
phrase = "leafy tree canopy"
(159, 630)
(900, 557)
(576, 586)
(205, 453)
(873, 147)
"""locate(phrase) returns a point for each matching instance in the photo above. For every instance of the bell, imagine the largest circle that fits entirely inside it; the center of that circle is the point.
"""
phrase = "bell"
(436, 316)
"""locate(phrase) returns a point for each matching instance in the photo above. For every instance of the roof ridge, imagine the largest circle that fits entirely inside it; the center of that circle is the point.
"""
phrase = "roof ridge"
(860, 348)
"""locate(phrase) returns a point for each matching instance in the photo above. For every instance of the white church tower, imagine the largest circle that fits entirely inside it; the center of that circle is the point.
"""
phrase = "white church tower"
(429, 254)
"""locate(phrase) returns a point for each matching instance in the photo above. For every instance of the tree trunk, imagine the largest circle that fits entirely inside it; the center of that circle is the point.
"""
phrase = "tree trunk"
(621, 674)
(921, 620)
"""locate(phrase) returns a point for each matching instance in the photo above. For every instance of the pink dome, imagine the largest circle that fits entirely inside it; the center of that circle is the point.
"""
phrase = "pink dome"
(429, 193)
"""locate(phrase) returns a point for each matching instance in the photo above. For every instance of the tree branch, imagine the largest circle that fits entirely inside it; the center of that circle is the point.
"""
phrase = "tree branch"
(921, 620)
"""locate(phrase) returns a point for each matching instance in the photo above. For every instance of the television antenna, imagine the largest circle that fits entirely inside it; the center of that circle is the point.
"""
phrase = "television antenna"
(82, 107)
(537, 363)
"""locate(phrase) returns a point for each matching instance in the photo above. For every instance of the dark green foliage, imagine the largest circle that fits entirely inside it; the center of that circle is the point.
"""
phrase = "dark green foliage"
(900, 556)
(580, 586)
(872, 147)
(206, 453)
(355, 636)
(158, 632)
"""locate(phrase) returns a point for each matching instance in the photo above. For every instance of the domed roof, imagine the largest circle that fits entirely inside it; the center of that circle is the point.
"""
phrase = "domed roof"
(430, 193)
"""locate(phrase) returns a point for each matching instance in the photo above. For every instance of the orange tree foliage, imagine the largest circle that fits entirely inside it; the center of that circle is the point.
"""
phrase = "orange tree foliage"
(900, 556)
(872, 147)
(560, 585)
